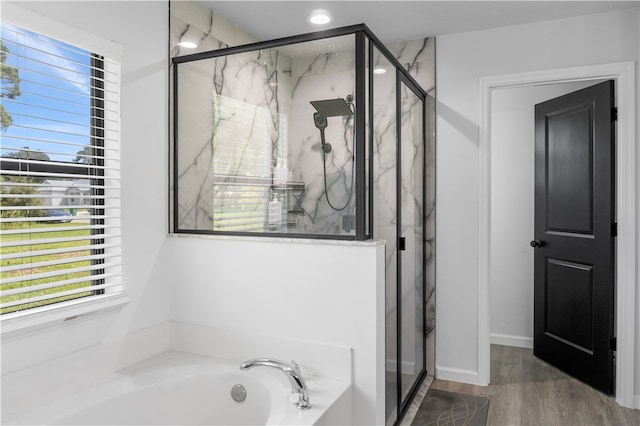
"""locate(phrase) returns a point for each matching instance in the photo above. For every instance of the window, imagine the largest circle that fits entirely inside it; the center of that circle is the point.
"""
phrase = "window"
(60, 163)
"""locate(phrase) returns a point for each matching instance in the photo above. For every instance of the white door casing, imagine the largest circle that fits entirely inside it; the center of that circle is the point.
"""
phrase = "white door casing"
(623, 73)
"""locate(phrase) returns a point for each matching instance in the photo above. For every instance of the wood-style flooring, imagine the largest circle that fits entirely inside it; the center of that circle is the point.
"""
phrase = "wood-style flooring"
(527, 391)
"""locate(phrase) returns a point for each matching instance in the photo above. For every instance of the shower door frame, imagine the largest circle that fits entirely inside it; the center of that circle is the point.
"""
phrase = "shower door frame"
(402, 77)
(358, 31)
(403, 404)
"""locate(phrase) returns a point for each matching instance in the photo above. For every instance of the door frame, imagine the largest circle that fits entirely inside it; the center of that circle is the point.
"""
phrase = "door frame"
(624, 74)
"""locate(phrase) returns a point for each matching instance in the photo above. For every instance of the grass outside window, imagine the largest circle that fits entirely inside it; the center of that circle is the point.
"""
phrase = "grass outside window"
(71, 260)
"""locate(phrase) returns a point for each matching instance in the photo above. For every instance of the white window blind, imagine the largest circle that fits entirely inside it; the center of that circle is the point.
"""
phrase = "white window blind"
(243, 166)
(60, 162)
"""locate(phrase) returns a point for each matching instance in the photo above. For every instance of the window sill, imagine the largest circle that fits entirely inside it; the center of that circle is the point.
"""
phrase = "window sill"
(27, 321)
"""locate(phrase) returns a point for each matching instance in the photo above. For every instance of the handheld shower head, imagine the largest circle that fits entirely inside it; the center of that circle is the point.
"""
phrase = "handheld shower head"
(321, 123)
(320, 120)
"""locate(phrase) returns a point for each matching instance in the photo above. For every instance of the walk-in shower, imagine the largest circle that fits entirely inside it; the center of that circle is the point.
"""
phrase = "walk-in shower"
(279, 137)
(298, 137)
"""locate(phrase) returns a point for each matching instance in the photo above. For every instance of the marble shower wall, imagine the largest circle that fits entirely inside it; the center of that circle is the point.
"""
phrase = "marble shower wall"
(198, 89)
(320, 77)
(278, 84)
(232, 131)
(209, 30)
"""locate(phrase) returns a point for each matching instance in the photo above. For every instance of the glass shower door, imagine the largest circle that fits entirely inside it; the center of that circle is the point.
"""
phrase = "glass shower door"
(398, 197)
(384, 187)
(411, 230)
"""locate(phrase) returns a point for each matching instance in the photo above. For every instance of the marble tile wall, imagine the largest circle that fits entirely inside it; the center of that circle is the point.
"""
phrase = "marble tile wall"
(283, 84)
(228, 106)
(320, 77)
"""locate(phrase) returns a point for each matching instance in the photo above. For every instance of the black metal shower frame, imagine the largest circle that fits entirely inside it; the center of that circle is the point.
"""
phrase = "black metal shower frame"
(364, 205)
(364, 216)
(403, 404)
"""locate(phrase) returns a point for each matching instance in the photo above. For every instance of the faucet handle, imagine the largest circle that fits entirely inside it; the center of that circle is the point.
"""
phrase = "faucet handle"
(296, 367)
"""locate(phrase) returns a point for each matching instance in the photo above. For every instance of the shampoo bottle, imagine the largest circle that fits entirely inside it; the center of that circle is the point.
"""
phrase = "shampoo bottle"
(285, 172)
(275, 213)
(277, 174)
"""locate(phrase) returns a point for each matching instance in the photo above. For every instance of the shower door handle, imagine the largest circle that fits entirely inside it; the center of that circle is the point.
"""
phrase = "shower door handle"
(402, 243)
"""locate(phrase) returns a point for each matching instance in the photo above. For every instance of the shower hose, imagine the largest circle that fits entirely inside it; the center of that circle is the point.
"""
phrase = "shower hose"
(324, 169)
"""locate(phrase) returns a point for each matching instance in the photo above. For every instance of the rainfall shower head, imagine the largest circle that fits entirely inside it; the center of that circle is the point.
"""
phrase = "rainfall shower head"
(338, 107)
(332, 107)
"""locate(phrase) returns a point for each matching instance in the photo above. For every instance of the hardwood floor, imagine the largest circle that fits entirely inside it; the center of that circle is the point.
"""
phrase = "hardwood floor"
(526, 391)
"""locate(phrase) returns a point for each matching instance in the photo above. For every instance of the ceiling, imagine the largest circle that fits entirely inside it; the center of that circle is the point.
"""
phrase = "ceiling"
(401, 20)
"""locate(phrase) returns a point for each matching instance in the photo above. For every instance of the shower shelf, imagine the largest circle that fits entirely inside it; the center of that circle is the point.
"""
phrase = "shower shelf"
(266, 182)
(292, 192)
(290, 186)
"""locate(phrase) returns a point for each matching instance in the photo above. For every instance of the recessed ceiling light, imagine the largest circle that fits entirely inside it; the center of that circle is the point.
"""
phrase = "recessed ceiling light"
(319, 17)
(188, 44)
(379, 70)
(190, 38)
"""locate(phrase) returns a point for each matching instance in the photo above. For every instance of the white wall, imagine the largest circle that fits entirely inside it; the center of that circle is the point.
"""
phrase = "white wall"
(326, 293)
(512, 209)
(461, 60)
(141, 28)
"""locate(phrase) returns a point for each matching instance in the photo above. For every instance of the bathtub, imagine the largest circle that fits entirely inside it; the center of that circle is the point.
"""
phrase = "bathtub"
(181, 389)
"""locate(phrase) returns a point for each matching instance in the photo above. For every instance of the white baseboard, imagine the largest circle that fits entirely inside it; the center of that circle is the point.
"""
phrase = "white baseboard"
(456, 375)
(508, 340)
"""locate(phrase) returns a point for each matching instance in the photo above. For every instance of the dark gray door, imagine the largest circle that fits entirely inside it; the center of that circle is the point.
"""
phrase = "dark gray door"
(574, 234)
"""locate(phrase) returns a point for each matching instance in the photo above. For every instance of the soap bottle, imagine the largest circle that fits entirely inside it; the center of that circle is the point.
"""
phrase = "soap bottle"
(285, 172)
(275, 213)
(277, 174)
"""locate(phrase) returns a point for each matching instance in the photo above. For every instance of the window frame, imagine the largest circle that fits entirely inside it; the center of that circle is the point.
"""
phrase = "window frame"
(103, 299)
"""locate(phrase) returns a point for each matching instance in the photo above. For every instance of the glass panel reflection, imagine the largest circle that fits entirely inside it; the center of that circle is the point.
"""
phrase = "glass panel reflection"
(384, 205)
(412, 229)
(265, 140)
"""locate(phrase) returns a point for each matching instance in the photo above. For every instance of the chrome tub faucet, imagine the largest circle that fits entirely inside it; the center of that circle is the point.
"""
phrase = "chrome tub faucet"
(292, 371)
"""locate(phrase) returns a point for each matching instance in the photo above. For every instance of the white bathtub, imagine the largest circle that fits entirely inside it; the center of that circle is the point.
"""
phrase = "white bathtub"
(180, 389)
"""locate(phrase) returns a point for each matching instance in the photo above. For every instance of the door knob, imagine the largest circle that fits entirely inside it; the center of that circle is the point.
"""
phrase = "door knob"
(536, 243)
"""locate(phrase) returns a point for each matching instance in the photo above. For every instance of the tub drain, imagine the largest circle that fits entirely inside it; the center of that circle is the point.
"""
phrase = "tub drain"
(238, 393)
